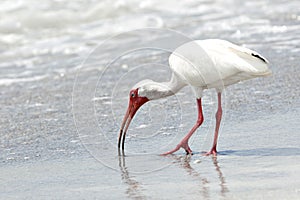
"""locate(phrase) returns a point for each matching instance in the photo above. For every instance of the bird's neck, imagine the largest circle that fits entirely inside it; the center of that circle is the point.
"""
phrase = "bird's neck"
(165, 89)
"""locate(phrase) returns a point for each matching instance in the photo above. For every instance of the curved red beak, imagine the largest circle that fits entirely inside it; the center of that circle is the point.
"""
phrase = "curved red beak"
(135, 103)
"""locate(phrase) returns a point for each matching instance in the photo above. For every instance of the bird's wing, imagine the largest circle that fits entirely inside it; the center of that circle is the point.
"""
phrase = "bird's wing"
(243, 59)
(208, 63)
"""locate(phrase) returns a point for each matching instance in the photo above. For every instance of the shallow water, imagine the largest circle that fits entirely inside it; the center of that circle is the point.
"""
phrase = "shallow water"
(45, 49)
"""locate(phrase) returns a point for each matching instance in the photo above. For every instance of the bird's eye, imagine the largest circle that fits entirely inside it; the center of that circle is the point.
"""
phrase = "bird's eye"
(132, 95)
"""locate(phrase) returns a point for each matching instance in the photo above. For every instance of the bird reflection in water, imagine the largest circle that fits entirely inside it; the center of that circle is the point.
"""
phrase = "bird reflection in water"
(224, 188)
(184, 162)
(134, 190)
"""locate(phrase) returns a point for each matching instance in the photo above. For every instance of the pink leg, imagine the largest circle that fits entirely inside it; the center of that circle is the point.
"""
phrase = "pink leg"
(213, 150)
(184, 142)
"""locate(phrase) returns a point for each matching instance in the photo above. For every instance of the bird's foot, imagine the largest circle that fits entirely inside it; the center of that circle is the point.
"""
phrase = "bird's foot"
(212, 152)
(183, 144)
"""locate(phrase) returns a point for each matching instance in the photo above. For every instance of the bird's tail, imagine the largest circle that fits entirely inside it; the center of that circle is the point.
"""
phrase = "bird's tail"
(268, 72)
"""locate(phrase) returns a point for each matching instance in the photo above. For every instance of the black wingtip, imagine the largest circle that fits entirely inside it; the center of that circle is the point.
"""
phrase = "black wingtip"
(259, 57)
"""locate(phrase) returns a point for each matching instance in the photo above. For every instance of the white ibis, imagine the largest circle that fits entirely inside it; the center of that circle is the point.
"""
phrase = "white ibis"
(202, 64)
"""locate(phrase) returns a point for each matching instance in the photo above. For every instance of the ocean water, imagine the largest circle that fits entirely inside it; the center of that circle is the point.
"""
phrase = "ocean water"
(66, 68)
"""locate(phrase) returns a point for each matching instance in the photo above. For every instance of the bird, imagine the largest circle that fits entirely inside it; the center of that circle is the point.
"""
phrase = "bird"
(200, 64)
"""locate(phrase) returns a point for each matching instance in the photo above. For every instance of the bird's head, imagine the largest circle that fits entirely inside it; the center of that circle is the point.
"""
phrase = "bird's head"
(135, 102)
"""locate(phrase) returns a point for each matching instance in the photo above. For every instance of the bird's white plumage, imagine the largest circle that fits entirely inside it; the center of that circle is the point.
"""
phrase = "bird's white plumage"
(215, 63)
(204, 64)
